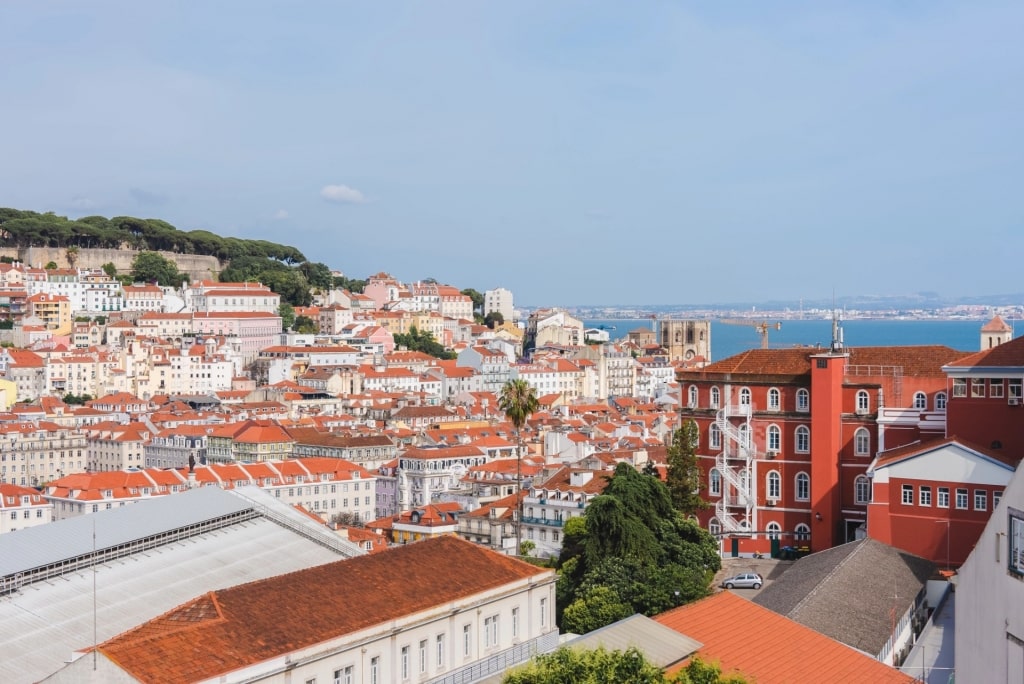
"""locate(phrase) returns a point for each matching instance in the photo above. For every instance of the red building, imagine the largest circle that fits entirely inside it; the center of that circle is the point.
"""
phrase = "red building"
(787, 435)
(934, 499)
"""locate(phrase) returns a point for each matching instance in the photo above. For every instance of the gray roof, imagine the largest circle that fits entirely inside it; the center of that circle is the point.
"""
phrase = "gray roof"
(662, 645)
(848, 592)
(44, 622)
(46, 544)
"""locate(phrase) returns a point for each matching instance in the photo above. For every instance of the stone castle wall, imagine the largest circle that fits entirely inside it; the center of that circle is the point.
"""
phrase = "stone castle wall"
(197, 266)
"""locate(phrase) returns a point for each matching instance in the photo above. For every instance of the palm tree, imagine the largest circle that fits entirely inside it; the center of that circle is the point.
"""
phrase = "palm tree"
(518, 401)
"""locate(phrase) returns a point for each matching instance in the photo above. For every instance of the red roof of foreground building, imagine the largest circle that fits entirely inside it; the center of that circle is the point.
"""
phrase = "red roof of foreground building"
(1007, 355)
(768, 648)
(916, 360)
(233, 628)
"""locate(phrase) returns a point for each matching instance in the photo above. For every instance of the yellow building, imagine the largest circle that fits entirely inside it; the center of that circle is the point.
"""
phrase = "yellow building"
(53, 310)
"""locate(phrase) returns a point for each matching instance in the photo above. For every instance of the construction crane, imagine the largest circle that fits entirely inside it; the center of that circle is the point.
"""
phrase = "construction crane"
(762, 327)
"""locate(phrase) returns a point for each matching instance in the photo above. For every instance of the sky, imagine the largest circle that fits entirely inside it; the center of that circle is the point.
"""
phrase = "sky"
(586, 152)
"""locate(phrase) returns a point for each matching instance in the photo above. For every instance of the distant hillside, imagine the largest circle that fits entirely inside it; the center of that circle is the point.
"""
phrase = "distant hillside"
(24, 229)
(95, 241)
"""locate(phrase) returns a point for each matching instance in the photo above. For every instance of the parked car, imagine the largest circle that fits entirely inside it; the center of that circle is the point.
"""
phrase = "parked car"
(745, 580)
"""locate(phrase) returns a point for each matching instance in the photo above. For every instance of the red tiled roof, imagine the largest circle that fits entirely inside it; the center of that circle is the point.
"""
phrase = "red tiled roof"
(997, 324)
(919, 448)
(920, 360)
(233, 628)
(1007, 355)
(768, 648)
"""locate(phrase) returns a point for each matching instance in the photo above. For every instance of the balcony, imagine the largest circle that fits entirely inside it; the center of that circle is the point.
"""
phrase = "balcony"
(543, 521)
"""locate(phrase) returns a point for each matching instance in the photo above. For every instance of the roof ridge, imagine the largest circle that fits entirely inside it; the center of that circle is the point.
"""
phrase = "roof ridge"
(817, 585)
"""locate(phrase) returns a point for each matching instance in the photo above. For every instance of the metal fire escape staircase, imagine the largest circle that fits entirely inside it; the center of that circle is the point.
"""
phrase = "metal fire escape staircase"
(738, 453)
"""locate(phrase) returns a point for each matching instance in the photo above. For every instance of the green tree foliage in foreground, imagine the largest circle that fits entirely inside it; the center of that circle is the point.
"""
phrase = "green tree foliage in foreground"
(423, 341)
(600, 666)
(149, 267)
(635, 554)
(683, 478)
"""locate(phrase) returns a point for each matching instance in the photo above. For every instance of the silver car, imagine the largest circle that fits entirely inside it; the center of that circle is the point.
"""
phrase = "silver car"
(745, 580)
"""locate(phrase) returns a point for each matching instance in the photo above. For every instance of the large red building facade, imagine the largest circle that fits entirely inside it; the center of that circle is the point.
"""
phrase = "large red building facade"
(787, 436)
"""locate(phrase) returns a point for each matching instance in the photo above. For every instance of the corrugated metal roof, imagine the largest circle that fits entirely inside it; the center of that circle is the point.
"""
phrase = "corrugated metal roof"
(33, 547)
(662, 645)
(45, 622)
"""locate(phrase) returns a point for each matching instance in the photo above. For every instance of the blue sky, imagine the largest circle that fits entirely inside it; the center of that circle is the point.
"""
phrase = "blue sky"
(573, 152)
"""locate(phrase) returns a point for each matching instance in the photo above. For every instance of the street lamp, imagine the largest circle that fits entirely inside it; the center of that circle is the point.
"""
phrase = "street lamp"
(947, 521)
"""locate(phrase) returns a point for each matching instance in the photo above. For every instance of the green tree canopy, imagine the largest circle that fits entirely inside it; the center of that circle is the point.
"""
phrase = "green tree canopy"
(287, 313)
(493, 319)
(423, 341)
(683, 478)
(151, 267)
(638, 547)
(478, 299)
(569, 665)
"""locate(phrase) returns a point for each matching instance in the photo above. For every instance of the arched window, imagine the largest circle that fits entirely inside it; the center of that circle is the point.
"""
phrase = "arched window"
(774, 485)
(693, 397)
(920, 401)
(714, 437)
(862, 487)
(862, 442)
(744, 484)
(774, 399)
(745, 396)
(773, 438)
(716, 397)
(774, 530)
(744, 435)
(744, 524)
(803, 487)
(803, 439)
(714, 527)
(803, 400)
(803, 532)
(715, 482)
(863, 401)
(940, 401)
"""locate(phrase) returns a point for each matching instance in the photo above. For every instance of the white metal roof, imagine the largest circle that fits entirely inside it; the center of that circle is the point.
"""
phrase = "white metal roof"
(45, 622)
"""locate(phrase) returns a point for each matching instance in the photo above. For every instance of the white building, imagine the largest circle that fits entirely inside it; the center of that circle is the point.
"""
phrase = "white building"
(22, 507)
(499, 300)
(990, 597)
(397, 620)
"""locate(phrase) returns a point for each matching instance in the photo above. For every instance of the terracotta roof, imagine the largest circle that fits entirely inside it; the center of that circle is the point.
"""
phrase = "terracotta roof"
(1007, 355)
(918, 360)
(997, 324)
(916, 449)
(768, 648)
(229, 629)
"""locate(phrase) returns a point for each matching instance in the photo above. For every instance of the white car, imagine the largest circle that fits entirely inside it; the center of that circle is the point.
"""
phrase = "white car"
(745, 580)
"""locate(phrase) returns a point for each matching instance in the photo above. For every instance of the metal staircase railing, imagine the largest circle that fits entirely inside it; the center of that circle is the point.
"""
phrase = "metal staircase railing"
(737, 445)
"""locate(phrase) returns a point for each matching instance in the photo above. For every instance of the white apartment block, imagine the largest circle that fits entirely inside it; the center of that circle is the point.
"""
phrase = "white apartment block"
(209, 296)
(32, 453)
(499, 300)
(22, 507)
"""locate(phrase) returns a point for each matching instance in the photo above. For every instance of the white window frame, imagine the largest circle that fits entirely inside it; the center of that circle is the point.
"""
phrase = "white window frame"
(405, 662)
(439, 650)
(959, 387)
(862, 442)
(714, 437)
(774, 485)
(467, 640)
(996, 387)
(802, 486)
(515, 622)
(692, 396)
(544, 612)
(714, 527)
(977, 388)
(862, 489)
(920, 401)
(907, 495)
(803, 400)
(802, 439)
(942, 497)
(981, 495)
(424, 649)
(924, 495)
(773, 438)
(961, 498)
(745, 396)
(802, 532)
(940, 401)
(715, 482)
(774, 399)
(774, 530)
(716, 397)
(863, 401)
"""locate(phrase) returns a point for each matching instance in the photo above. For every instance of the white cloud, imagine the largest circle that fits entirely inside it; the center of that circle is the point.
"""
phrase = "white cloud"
(280, 215)
(342, 194)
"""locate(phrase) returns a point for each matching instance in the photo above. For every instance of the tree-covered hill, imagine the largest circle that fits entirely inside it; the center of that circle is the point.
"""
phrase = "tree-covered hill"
(31, 229)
